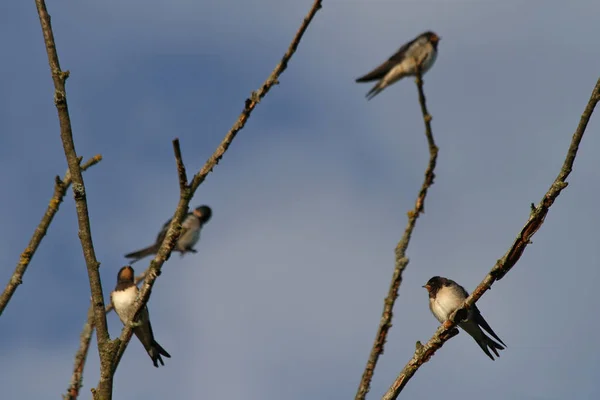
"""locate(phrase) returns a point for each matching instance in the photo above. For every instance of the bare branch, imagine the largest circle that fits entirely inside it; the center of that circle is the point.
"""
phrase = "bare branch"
(60, 189)
(254, 99)
(503, 265)
(60, 100)
(187, 193)
(164, 252)
(401, 260)
(180, 167)
(81, 356)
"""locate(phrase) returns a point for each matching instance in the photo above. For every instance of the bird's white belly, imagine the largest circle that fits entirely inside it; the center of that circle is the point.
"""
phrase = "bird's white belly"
(122, 300)
(440, 311)
(444, 305)
(408, 67)
(429, 60)
(188, 239)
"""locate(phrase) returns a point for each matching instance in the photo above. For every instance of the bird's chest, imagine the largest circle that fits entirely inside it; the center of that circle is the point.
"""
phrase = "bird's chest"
(423, 55)
(188, 239)
(122, 301)
(429, 60)
(444, 304)
(190, 234)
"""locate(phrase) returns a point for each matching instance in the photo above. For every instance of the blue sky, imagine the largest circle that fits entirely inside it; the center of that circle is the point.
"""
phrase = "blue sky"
(284, 297)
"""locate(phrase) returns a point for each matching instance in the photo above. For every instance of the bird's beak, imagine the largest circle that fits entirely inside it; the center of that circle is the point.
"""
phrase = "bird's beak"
(427, 287)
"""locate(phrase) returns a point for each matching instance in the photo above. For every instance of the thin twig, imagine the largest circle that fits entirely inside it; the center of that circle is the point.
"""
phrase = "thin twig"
(503, 265)
(84, 345)
(401, 260)
(81, 356)
(60, 100)
(167, 246)
(186, 195)
(180, 167)
(60, 189)
(254, 99)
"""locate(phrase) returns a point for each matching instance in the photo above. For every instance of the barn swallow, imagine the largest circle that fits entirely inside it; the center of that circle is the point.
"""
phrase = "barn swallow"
(422, 51)
(445, 296)
(190, 234)
(123, 298)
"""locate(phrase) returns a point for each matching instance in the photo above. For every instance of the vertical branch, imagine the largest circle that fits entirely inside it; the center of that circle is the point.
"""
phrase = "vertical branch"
(60, 99)
(401, 261)
(503, 265)
(60, 189)
(186, 195)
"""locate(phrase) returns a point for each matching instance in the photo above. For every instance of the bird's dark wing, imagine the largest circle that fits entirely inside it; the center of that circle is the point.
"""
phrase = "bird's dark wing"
(483, 323)
(139, 254)
(146, 336)
(401, 53)
(163, 232)
(384, 68)
(144, 330)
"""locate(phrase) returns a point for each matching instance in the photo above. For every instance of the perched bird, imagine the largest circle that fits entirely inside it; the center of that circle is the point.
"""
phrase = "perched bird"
(420, 51)
(123, 298)
(190, 234)
(445, 296)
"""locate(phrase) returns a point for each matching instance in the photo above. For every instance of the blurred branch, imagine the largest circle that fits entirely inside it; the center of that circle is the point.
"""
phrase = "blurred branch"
(84, 346)
(162, 255)
(401, 260)
(188, 191)
(60, 100)
(81, 356)
(503, 265)
(60, 189)
(180, 167)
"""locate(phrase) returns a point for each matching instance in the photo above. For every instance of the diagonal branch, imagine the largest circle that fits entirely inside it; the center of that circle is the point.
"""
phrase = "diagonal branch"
(254, 99)
(510, 258)
(60, 189)
(187, 191)
(162, 255)
(401, 260)
(60, 100)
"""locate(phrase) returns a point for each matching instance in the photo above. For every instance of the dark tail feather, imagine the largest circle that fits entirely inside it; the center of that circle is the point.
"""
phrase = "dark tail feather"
(366, 78)
(374, 92)
(483, 323)
(155, 353)
(138, 255)
(489, 342)
(377, 73)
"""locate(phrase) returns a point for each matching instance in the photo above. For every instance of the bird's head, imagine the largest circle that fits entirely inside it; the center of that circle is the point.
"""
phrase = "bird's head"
(432, 37)
(125, 274)
(434, 284)
(204, 213)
